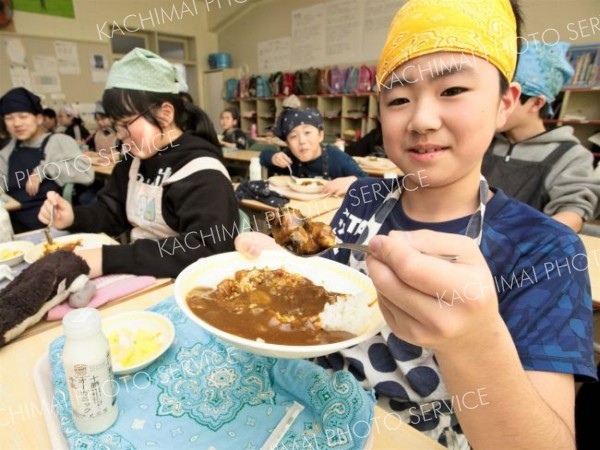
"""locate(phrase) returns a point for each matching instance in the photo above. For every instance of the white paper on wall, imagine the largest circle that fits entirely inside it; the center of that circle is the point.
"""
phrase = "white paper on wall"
(68, 59)
(15, 50)
(98, 67)
(274, 55)
(20, 77)
(308, 37)
(45, 83)
(45, 64)
(343, 31)
(378, 15)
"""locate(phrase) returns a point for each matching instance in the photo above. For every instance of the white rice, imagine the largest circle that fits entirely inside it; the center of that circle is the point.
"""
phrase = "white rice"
(350, 313)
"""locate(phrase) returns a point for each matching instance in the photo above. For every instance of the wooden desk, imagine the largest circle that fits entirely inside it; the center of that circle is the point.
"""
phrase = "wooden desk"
(10, 204)
(25, 429)
(241, 155)
(592, 247)
(104, 170)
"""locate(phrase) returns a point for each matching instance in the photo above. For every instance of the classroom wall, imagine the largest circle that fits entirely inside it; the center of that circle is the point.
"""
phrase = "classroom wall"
(574, 21)
(90, 16)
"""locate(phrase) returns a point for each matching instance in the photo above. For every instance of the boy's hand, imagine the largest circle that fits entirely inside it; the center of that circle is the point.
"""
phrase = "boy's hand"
(32, 186)
(63, 211)
(428, 301)
(280, 159)
(251, 244)
(339, 186)
(93, 258)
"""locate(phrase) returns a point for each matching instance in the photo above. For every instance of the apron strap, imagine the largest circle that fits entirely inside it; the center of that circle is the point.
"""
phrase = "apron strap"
(197, 165)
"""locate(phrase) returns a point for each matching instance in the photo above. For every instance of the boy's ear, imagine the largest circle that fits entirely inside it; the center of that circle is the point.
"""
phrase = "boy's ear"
(537, 103)
(321, 136)
(508, 102)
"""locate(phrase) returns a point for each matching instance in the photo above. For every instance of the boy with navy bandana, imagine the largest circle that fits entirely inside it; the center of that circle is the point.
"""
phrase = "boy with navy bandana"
(488, 345)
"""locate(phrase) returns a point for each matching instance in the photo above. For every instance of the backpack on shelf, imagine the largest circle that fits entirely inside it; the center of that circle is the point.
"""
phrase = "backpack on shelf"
(366, 79)
(306, 82)
(351, 85)
(263, 88)
(232, 90)
(287, 84)
(244, 88)
(252, 87)
(337, 80)
(275, 81)
(324, 75)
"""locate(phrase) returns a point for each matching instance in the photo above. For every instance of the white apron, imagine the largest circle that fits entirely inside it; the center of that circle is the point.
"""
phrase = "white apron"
(144, 201)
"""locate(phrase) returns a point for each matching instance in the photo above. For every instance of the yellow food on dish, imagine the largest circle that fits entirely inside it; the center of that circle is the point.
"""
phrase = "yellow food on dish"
(9, 254)
(129, 348)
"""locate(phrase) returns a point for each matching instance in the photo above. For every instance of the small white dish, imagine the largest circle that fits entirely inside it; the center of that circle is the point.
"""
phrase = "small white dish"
(307, 185)
(88, 240)
(7, 249)
(125, 327)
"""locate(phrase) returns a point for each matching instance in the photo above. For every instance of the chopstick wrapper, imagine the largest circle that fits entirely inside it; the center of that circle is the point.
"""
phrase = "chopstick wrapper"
(203, 392)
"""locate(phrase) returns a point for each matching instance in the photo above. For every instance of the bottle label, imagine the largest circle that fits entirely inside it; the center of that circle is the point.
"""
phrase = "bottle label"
(91, 388)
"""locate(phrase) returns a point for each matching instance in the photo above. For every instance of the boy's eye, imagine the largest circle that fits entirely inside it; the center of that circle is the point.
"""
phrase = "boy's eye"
(450, 92)
(398, 101)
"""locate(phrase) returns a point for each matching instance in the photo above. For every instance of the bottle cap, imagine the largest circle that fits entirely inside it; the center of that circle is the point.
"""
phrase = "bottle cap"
(82, 323)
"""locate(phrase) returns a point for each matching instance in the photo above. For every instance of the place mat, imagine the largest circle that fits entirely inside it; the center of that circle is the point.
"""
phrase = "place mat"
(203, 393)
(291, 194)
(108, 288)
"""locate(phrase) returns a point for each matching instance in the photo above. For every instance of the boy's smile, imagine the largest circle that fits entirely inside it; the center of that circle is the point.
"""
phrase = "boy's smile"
(442, 118)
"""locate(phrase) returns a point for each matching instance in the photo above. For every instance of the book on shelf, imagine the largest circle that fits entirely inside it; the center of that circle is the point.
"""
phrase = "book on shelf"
(585, 60)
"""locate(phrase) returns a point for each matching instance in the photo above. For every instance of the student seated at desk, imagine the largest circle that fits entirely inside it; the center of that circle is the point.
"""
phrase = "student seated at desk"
(549, 170)
(233, 136)
(50, 120)
(482, 352)
(171, 191)
(302, 129)
(35, 162)
(104, 139)
(73, 126)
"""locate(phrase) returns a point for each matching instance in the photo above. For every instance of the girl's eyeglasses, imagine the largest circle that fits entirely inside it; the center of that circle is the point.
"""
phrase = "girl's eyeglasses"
(123, 130)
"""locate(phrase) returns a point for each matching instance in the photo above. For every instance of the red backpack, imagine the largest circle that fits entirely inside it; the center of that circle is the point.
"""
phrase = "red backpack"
(366, 79)
(287, 86)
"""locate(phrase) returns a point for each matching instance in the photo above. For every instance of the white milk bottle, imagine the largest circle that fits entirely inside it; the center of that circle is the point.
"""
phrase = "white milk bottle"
(88, 371)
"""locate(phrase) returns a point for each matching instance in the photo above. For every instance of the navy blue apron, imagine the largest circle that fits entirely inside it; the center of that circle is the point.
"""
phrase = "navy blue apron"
(303, 171)
(21, 162)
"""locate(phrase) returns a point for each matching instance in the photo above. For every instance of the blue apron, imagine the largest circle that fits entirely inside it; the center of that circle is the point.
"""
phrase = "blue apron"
(23, 160)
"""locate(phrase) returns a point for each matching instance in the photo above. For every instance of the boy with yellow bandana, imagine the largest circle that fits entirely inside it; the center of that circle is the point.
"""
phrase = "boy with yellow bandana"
(488, 345)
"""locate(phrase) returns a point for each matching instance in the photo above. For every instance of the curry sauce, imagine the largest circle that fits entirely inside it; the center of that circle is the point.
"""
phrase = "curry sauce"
(275, 306)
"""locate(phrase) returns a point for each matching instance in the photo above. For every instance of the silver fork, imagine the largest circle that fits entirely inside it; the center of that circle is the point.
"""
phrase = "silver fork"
(365, 249)
(47, 229)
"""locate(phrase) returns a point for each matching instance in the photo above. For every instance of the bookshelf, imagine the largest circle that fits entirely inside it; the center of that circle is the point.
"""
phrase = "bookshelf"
(578, 105)
(348, 116)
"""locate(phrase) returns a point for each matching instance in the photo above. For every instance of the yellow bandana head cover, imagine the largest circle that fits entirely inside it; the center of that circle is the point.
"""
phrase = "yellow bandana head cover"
(484, 28)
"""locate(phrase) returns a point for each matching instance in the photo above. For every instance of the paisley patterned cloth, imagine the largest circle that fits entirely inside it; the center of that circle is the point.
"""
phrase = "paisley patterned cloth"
(544, 69)
(205, 394)
(483, 28)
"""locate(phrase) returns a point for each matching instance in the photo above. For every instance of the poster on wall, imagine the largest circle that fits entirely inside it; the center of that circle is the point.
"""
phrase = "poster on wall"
(274, 55)
(341, 45)
(15, 50)
(99, 67)
(308, 37)
(62, 8)
(45, 83)
(68, 59)
(19, 77)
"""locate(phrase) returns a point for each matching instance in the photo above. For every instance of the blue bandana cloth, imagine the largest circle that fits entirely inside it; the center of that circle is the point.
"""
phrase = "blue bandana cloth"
(543, 69)
(291, 118)
(203, 393)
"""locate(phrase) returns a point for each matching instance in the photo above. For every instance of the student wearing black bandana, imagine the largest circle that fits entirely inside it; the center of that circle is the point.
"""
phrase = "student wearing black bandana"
(306, 154)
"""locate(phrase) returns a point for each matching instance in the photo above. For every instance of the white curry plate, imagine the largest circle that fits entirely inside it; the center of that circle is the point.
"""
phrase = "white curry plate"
(332, 275)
